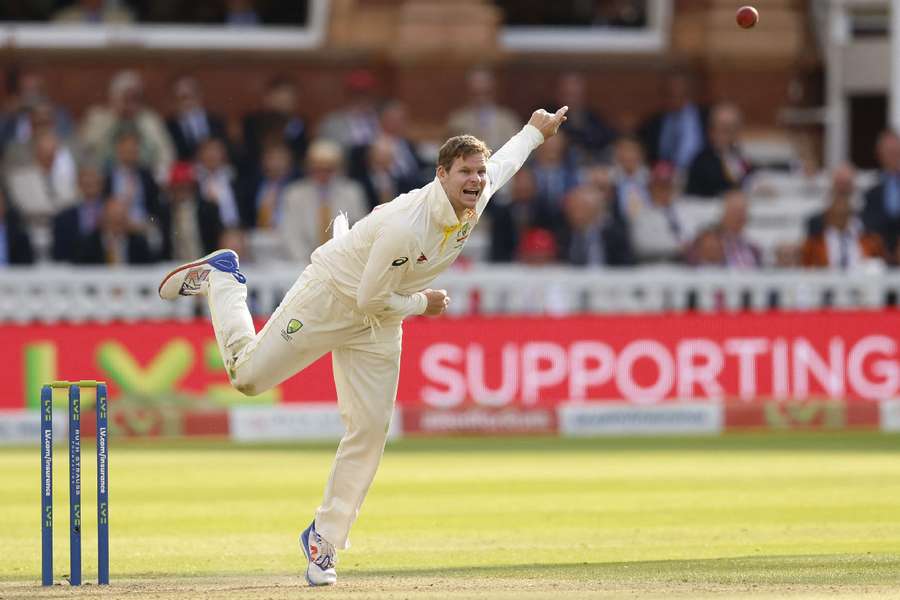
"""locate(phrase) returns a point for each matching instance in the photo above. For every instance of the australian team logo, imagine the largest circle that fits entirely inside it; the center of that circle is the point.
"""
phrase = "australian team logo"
(462, 234)
(293, 326)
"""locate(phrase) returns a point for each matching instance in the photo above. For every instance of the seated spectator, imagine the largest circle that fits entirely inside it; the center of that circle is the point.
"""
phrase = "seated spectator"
(312, 203)
(678, 133)
(29, 110)
(47, 183)
(377, 177)
(118, 241)
(739, 252)
(92, 12)
(658, 230)
(196, 224)
(126, 110)
(38, 120)
(841, 243)
(277, 122)
(483, 117)
(78, 222)
(512, 217)
(631, 176)
(357, 123)
(216, 181)
(407, 165)
(131, 182)
(591, 236)
(721, 165)
(241, 13)
(15, 244)
(555, 175)
(843, 183)
(706, 250)
(263, 197)
(881, 212)
(589, 135)
(192, 123)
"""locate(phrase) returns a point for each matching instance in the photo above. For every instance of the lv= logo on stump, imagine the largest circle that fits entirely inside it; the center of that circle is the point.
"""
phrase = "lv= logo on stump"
(75, 513)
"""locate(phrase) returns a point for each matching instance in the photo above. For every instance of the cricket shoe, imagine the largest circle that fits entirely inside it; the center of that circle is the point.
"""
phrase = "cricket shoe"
(321, 557)
(191, 279)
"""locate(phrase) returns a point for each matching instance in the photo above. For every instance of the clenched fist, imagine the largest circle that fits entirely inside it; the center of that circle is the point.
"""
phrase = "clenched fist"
(437, 302)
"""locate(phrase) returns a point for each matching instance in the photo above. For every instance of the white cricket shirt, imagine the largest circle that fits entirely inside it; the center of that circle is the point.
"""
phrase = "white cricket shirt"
(399, 248)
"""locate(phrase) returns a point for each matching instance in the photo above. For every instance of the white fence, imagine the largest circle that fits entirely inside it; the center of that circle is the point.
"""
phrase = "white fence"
(53, 294)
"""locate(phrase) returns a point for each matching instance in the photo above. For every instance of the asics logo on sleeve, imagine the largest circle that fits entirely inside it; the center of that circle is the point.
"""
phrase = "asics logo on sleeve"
(398, 262)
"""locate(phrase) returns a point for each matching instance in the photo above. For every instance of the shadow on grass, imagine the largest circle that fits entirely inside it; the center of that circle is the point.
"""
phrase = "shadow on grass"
(827, 569)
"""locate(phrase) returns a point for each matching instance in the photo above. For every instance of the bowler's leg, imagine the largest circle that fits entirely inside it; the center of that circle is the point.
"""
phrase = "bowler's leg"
(301, 330)
(366, 379)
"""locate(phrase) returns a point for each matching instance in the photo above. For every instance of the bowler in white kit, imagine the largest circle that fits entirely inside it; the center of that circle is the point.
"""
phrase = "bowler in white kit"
(351, 301)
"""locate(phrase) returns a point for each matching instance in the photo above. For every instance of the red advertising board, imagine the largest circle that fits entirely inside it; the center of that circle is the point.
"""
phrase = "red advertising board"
(501, 363)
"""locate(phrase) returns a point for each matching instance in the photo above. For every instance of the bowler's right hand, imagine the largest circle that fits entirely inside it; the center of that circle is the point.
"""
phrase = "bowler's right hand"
(437, 302)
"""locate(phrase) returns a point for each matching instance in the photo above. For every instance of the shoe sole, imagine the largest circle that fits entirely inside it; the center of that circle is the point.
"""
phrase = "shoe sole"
(197, 263)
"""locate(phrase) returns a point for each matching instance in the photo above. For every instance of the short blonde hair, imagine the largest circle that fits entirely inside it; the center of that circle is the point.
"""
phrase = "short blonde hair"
(461, 146)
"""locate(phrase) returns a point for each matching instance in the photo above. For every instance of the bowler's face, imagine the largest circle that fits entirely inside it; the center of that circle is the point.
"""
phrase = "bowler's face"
(465, 181)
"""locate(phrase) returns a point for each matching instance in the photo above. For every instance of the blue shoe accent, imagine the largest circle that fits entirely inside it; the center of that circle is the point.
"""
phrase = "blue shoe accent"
(226, 261)
(304, 544)
(320, 555)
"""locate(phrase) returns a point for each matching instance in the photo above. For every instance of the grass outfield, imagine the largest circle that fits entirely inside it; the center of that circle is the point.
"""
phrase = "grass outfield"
(756, 515)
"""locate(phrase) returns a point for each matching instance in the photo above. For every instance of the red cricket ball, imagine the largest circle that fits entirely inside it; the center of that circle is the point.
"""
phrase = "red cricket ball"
(747, 17)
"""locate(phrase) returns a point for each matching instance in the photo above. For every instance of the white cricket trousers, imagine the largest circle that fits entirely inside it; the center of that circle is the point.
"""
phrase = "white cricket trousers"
(311, 321)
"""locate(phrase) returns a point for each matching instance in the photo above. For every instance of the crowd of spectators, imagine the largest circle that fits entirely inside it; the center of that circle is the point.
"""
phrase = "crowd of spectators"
(125, 184)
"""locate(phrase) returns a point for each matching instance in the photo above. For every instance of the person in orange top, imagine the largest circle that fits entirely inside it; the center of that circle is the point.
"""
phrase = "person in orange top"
(842, 243)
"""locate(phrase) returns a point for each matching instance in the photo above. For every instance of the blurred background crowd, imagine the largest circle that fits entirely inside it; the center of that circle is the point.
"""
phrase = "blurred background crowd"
(129, 181)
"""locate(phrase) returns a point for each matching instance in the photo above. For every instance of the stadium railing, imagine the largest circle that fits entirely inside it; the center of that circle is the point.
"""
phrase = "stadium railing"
(53, 294)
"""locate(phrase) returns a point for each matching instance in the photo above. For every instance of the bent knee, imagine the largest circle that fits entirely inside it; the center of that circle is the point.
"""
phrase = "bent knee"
(245, 385)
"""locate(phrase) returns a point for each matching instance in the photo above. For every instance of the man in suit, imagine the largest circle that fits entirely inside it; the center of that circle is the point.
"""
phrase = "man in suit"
(483, 117)
(513, 217)
(192, 123)
(591, 237)
(841, 243)
(677, 133)
(311, 204)
(118, 241)
(196, 223)
(721, 165)
(72, 225)
(278, 122)
(589, 135)
(391, 164)
(881, 212)
(15, 244)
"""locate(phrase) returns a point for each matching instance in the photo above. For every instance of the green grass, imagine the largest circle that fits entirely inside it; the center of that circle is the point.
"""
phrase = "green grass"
(755, 514)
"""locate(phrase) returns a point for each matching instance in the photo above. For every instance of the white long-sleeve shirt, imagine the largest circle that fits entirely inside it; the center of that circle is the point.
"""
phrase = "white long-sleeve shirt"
(398, 249)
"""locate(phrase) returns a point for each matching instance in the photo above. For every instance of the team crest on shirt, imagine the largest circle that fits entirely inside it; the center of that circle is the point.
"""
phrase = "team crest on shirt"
(293, 326)
(462, 234)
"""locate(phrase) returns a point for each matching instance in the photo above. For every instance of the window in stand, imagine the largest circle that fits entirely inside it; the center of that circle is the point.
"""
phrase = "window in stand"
(585, 25)
(165, 24)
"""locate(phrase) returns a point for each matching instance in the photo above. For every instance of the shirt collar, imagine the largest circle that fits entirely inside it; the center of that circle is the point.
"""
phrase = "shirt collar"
(441, 209)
